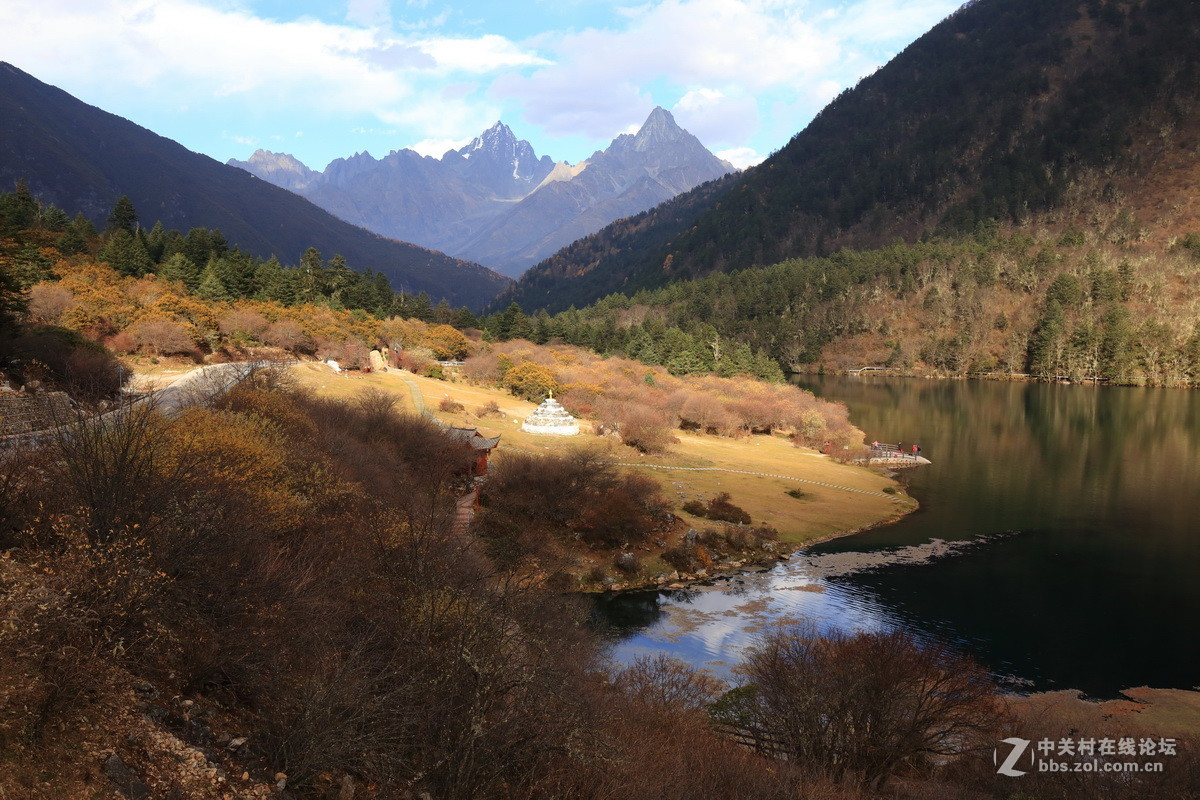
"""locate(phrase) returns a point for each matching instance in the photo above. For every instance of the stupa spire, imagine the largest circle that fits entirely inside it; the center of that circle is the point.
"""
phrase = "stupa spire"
(551, 418)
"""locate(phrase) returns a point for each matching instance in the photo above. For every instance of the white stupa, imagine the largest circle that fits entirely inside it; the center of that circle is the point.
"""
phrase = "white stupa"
(551, 418)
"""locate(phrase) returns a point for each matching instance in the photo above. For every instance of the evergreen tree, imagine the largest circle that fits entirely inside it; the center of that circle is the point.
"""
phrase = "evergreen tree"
(466, 319)
(443, 314)
(19, 210)
(1115, 356)
(382, 294)
(179, 268)
(156, 242)
(125, 253)
(71, 242)
(54, 219)
(12, 302)
(84, 226)
(312, 277)
(123, 216)
(1045, 343)
(338, 278)
(504, 323)
(211, 287)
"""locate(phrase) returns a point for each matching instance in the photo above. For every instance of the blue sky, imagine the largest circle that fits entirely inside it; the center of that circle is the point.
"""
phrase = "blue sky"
(322, 80)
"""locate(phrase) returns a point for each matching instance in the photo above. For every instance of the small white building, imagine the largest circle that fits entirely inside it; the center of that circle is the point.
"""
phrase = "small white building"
(551, 418)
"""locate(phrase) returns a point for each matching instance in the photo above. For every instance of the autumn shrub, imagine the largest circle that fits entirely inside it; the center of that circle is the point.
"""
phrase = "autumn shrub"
(82, 367)
(161, 336)
(450, 405)
(862, 705)
(411, 360)
(576, 496)
(48, 302)
(288, 335)
(530, 381)
(244, 324)
(643, 428)
(447, 343)
(489, 409)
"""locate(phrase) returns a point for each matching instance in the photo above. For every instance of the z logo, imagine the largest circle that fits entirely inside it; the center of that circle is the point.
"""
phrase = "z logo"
(1018, 749)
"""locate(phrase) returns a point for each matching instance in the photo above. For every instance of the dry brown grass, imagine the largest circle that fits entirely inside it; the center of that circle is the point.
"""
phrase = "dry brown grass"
(826, 512)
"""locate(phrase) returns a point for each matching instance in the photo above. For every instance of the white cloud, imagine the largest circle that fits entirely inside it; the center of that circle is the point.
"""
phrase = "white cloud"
(716, 118)
(369, 13)
(227, 58)
(438, 147)
(482, 54)
(741, 157)
(738, 47)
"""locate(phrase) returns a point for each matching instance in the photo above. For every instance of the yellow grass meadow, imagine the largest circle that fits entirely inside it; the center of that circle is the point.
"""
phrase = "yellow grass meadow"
(823, 512)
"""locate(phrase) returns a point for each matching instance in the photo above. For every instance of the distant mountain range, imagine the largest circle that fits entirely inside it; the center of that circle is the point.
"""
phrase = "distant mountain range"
(1006, 111)
(81, 158)
(494, 201)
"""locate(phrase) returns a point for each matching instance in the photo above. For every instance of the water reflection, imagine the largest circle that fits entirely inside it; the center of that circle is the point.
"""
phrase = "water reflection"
(1078, 503)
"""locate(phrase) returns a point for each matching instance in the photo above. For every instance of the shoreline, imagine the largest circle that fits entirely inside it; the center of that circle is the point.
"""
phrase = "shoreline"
(683, 581)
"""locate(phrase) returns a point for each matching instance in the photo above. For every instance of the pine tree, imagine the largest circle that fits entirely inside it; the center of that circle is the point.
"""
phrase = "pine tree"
(71, 242)
(55, 219)
(123, 216)
(465, 319)
(312, 278)
(156, 242)
(339, 278)
(179, 268)
(20, 209)
(211, 287)
(125, 253)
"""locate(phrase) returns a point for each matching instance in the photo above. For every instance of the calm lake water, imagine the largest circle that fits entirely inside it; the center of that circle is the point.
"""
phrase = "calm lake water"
(1071, 517)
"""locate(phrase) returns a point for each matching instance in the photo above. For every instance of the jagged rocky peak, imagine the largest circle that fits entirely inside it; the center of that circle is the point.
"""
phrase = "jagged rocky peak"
(281, 169)
(660, 126)
(284, 161)
(498, 141)
(507, 156)
(341, 171)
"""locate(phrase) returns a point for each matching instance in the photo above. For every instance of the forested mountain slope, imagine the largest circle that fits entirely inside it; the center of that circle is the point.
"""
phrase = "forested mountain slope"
(81, 158)
(1006, 111)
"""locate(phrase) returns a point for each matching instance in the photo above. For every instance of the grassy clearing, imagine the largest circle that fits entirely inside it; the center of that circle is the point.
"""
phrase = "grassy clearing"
(822, 513)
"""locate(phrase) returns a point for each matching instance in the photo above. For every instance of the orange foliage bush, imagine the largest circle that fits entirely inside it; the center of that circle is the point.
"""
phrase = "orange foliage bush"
(617, 390)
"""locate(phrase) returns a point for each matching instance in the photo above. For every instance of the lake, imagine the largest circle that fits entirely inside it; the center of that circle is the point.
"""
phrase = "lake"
(1058, 541)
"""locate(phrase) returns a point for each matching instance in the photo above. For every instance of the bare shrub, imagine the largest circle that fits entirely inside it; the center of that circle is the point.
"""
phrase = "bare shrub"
(243, 323)
(683, 558)
(84, 368)
(489, 409)
(628, 563)
(48, 301)
(524, 501)
(450, 405)
(288, 335)
(668, 683)
(643, 428)
(162, 336)
(861, 705)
